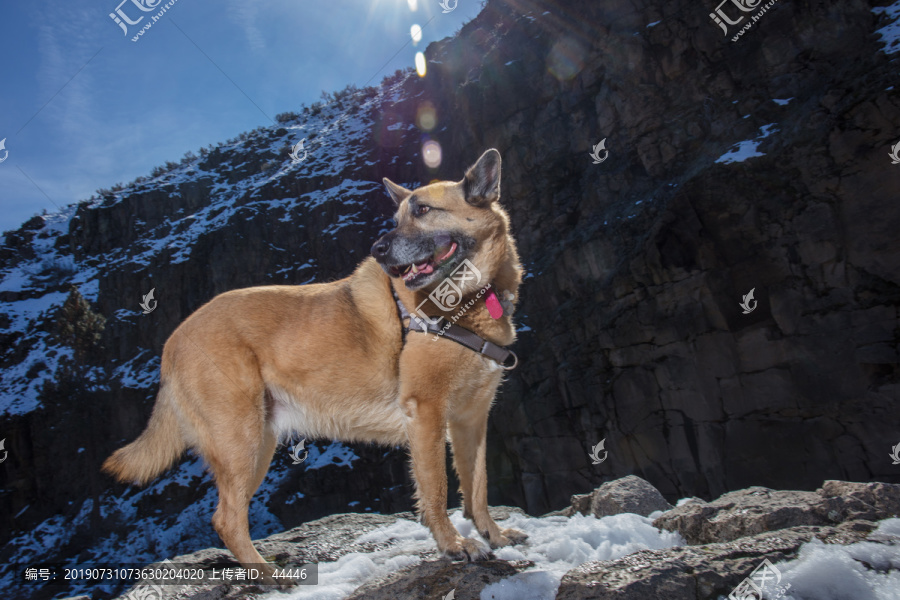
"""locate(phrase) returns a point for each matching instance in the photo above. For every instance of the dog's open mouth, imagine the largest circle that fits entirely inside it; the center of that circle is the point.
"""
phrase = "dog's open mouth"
(419, 271)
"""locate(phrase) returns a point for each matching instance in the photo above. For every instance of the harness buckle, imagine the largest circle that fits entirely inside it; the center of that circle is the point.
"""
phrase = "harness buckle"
(426, 324)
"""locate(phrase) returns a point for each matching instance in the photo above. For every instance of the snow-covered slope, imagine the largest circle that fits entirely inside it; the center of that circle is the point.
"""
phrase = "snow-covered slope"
(253, 174)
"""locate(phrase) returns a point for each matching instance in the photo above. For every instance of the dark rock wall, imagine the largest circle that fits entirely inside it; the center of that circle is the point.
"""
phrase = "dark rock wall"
(640, 262)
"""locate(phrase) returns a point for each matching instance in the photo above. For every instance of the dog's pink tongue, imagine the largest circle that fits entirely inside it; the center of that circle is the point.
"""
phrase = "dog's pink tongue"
(493, 305)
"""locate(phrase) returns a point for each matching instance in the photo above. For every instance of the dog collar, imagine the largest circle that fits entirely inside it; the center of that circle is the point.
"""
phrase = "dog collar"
(457, 333)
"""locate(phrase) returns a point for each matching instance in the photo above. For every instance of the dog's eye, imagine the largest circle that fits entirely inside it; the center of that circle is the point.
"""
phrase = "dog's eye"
(421, 210)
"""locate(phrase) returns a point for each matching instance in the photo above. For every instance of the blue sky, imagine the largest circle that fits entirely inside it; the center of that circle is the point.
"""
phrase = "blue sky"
(84, 107)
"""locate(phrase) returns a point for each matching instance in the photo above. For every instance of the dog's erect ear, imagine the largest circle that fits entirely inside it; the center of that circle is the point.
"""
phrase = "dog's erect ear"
(398, 192)
(481, 185)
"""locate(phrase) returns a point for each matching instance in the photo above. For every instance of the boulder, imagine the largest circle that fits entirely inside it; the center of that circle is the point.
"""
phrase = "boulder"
(437, 578)
(758, 509)
(629, 494)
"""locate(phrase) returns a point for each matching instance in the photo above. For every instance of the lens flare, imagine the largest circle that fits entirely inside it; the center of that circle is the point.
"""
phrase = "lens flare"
(566, 59)
(413, 5)
(431, 154)
(420, 64)
(415, 32)
(426, 116)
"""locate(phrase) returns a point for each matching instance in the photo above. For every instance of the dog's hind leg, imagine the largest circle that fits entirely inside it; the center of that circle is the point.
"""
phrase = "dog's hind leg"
(468, 435)
(239, 469)
(264, 458)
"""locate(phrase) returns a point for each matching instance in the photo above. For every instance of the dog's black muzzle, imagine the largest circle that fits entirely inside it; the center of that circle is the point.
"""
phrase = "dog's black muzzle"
(382, 247)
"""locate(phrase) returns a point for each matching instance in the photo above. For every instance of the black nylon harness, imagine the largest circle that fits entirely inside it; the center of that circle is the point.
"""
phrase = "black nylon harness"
(458, 334)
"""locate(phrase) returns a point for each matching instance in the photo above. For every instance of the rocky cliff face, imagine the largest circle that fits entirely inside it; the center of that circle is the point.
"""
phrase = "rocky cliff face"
(640, 262)
(759, 164)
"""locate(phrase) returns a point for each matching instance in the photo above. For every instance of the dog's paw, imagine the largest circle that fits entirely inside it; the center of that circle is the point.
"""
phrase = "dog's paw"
(509, 537)
(469, 550)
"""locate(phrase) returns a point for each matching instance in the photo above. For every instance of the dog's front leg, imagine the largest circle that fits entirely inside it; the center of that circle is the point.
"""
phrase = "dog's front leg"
(426, 427)
(468, 434)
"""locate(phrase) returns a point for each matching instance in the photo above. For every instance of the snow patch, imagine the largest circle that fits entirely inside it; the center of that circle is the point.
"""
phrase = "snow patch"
(747, 148)
(555, 545)
(335, 454)
(862, 571)
(741, 152)
(890, 33)
(141, 372)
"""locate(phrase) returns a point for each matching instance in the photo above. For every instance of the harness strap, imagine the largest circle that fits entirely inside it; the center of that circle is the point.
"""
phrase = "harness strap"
(403, 314)
(458, 334)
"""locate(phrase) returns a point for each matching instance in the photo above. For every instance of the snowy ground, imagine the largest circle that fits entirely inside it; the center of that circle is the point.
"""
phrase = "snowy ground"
(555, 545)
(833, 572)
(558, 544)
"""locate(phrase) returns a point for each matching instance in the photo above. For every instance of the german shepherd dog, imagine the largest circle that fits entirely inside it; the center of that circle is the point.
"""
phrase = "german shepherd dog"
(333, 360)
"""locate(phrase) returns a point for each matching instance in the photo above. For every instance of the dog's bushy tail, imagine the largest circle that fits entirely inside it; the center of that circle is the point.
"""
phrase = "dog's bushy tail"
(154, 451)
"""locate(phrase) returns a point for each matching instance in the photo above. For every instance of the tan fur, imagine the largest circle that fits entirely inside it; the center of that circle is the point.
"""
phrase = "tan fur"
(328, 361)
